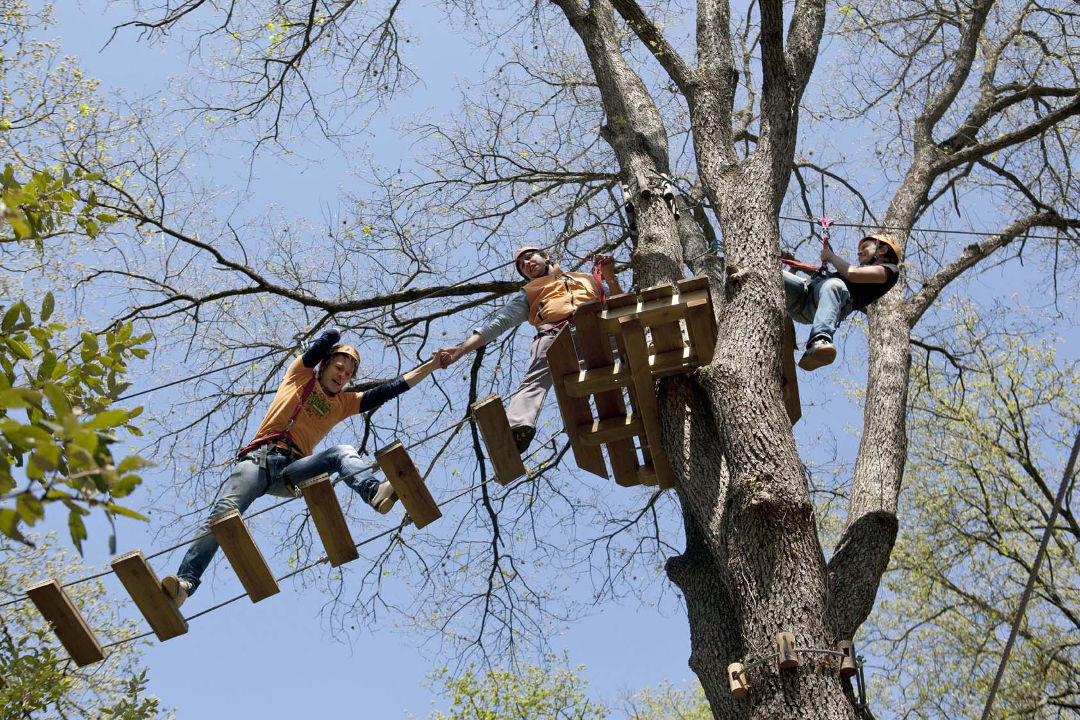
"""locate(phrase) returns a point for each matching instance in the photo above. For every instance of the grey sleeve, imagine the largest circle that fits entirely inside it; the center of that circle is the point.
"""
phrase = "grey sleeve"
(512, 314)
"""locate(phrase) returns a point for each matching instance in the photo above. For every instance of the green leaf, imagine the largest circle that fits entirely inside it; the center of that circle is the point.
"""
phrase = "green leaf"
(90, 342)
(48, 304)
(9, 525)
(78, 530)
(126, 512)
(57, 399)
(109, 419)
(10, 318)
(19, 348)
(29, 508)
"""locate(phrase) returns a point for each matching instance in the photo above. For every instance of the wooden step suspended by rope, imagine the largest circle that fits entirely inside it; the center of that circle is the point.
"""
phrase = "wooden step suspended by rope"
(67, 622)
(142, 584)
(625, 346)
(789, 381)
(329, 520)
(408, 485)
(490, 417)
(247, 561)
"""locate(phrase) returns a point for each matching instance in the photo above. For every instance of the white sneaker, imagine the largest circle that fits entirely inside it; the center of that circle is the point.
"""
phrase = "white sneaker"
(384, 498)
(819, 353)
(176, 588)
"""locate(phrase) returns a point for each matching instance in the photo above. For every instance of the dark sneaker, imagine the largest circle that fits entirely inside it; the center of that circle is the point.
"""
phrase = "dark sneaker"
(819, 352)
(176, 589)
(384, 498)
(523, 435)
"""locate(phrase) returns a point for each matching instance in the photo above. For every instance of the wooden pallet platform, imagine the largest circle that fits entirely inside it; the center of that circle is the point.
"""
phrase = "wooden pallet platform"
(67, 622)
(490, 417)
(142, 584)
(247, 561)
(409, 486)
(666, 330)
(329, 520)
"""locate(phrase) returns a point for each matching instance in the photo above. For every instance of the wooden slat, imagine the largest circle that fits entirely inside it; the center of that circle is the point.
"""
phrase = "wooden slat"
(244, 555)
(490, 416)
(701, 324)
(67, 622)
(611, 430)
(610, 407)
(144, 587)
(634, 338)
(665, 336)
(595, 380)
(410, 488)
(654, 312)
(789, 380)
(329, 520)
(562, 359)
(693, 284)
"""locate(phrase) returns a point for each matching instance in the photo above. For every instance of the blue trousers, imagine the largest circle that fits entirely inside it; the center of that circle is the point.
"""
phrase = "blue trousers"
(821, 302)
(251, 479)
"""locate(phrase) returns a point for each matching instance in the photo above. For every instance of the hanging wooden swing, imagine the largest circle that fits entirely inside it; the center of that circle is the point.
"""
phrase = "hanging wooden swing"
(666, 330)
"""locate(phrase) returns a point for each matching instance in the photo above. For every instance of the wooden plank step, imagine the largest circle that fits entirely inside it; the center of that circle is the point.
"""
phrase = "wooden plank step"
(410, 488)
(610, 430)
(634, 337)
(67, 622)
(584, 383)
(144, 587)
(665, 336)
(490, 416)
(596, 353)
(562, 359)
(329, 520)
(789, 379)
(244, 555)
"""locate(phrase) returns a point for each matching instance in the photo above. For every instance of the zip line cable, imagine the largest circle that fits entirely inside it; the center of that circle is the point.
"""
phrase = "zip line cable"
(1066, 481)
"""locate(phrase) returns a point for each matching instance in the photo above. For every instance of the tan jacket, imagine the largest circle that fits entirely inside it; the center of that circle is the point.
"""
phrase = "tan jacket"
(557, 296)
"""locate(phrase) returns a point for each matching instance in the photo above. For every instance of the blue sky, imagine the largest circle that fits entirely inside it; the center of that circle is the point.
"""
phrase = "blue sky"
(277, 658)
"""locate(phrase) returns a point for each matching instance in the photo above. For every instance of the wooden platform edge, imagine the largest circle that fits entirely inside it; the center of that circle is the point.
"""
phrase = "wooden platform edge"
(634, 338)
(490, 416)
(244, 555)
(144, 587)
(329, 520)
(408, 485)
(562, 360)
(67, 622)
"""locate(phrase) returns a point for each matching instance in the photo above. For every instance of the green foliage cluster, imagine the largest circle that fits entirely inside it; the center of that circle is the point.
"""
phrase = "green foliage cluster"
(991, 431)
(556, 692)
(38, 208)
(39, 682)
(56, 420)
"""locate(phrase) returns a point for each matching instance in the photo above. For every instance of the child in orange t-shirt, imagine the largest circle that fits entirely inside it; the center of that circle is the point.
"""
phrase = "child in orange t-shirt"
(310, 401)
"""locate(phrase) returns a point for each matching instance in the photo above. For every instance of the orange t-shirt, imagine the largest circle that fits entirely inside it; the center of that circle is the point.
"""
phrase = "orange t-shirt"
(320, 413)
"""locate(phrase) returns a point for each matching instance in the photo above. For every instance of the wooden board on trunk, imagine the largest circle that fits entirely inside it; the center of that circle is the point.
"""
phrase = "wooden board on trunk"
(634, 338)
(329, 520)
(144, 587)
(244, 555)
(490, 416)
(563, 361)
(596, 353)
(408, 485)
(67, 622)
(789, 380)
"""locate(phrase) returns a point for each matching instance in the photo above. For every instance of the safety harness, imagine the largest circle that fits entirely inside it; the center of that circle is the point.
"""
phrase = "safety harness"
(281, 434)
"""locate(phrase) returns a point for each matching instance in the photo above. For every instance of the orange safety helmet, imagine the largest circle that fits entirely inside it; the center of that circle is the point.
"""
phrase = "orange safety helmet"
(524, 251)
(887, 242)
(346, 350)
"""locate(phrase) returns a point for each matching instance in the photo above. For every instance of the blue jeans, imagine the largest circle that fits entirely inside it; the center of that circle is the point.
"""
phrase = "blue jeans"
(821, 302)
(250, 480)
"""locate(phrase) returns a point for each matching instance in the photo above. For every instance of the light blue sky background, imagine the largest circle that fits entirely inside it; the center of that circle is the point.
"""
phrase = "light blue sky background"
(277, 659)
